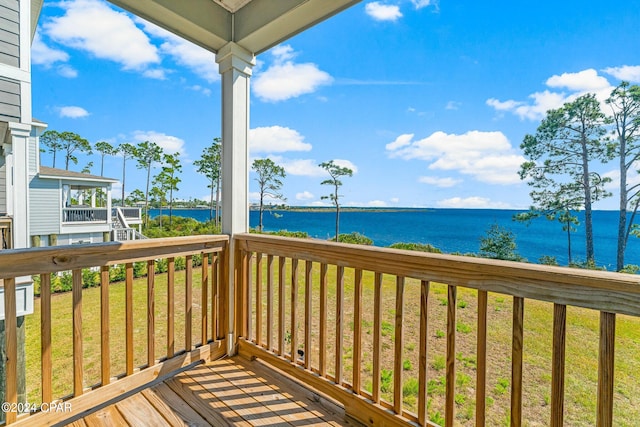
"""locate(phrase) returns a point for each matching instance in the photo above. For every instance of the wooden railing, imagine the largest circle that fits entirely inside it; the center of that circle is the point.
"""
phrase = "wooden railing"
(346, 319)
(144, 335)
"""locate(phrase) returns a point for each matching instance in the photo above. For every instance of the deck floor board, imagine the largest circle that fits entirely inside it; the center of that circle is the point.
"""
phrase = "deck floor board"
(227, 392)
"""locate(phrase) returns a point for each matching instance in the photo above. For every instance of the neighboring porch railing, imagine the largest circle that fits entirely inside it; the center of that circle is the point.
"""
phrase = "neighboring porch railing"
(6, 241)
(84, 215)
(129, 214)
(122, 328)
(124, 234)
(336, 317)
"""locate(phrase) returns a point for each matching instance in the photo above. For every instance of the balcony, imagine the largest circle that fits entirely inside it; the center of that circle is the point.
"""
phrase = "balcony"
(320, 332)
(84, 215)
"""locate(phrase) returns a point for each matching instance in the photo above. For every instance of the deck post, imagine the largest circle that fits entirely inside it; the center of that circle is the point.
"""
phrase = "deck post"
(235, 65)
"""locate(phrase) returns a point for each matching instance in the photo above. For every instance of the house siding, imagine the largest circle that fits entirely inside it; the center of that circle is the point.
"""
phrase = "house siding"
(33, 157)
(10, 32)
(45, 194)
(3, 185)
(9, 100)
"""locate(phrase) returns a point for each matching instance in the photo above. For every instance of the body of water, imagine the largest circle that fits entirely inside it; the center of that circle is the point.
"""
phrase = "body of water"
(451, 230)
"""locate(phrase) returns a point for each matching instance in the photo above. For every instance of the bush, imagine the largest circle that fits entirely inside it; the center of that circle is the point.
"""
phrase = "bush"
(355, 238)
(499, 243)
(421, 247)
(283, 233)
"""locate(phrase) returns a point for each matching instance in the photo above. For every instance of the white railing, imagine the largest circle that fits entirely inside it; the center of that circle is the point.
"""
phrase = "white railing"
(84, 215)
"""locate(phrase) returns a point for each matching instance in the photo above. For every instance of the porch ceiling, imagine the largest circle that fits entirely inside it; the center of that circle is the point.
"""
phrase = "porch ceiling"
(256, 25)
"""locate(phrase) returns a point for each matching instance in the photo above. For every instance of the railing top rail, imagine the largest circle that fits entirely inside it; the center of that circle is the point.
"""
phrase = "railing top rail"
(83, 208)
(608, 291)
(25, 262)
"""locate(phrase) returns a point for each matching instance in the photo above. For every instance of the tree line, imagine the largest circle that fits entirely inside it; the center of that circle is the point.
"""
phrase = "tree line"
(160, 188)
(563, 158)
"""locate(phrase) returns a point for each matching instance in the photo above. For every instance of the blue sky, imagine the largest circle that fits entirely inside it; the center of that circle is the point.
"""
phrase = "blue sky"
(427, 101)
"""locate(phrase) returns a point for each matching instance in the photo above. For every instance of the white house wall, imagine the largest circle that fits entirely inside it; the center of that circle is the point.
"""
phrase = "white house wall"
(45, 214)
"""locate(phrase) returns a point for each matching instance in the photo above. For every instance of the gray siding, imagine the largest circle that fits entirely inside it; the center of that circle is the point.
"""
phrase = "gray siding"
(9, 100)
(10, 32)
(44, 201)
(33, 156)
(3, 185)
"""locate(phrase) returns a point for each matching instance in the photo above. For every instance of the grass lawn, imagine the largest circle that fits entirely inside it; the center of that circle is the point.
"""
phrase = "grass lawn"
(581, 352)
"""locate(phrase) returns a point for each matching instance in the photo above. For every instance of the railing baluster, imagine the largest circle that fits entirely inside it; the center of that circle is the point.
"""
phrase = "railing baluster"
(357, 331)
(339, 323)
(215, 335)
(188, 303)
(377, 331)
(105, 351)
(481, 359)
(269, 302)
(606, 369)
(422, 353)
(223, 293)
(204, 337)
(516, 361)
(450, 388)
(171, 269)
(247, 295)
(76, 289)
(129, 318)
(11, 347)
(259, 298)
(397, 357)
(308, 312)
(294, 306)
(323, 320)
(557, 364)
(281, 329)
(151, 312)
(45, 336)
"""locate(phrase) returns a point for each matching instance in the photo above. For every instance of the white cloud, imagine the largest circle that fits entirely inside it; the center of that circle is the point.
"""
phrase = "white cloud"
(377, 203)
(394, 200)
(573, 86)
(305, 195)
(630, 73)
(157, 73)
(73, 112)
(285, 79)
(487, 156)
(399, 142)
(452, 105)
(170, 144)
(92, 26)
(439, 182)
(254, 196)
(276, 139)
(419, 4)
(474, 202)
(41, 54)
(67, 71)
(199, 60)
(203, 90)
(383, 12)
(300, 167)
(582, 81)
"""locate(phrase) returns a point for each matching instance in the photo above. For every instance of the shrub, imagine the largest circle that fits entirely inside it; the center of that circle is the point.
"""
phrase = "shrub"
(355, 238)
(421, 247)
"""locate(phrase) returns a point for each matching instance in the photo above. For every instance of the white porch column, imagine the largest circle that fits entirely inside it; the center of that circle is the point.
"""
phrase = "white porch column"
(20, 201)
(235, 65)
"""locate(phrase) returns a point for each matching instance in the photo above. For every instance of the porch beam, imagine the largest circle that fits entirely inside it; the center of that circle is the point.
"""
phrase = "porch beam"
(202, 22)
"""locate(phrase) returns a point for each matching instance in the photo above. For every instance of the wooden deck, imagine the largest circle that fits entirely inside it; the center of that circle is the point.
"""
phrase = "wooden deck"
(227, 392)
